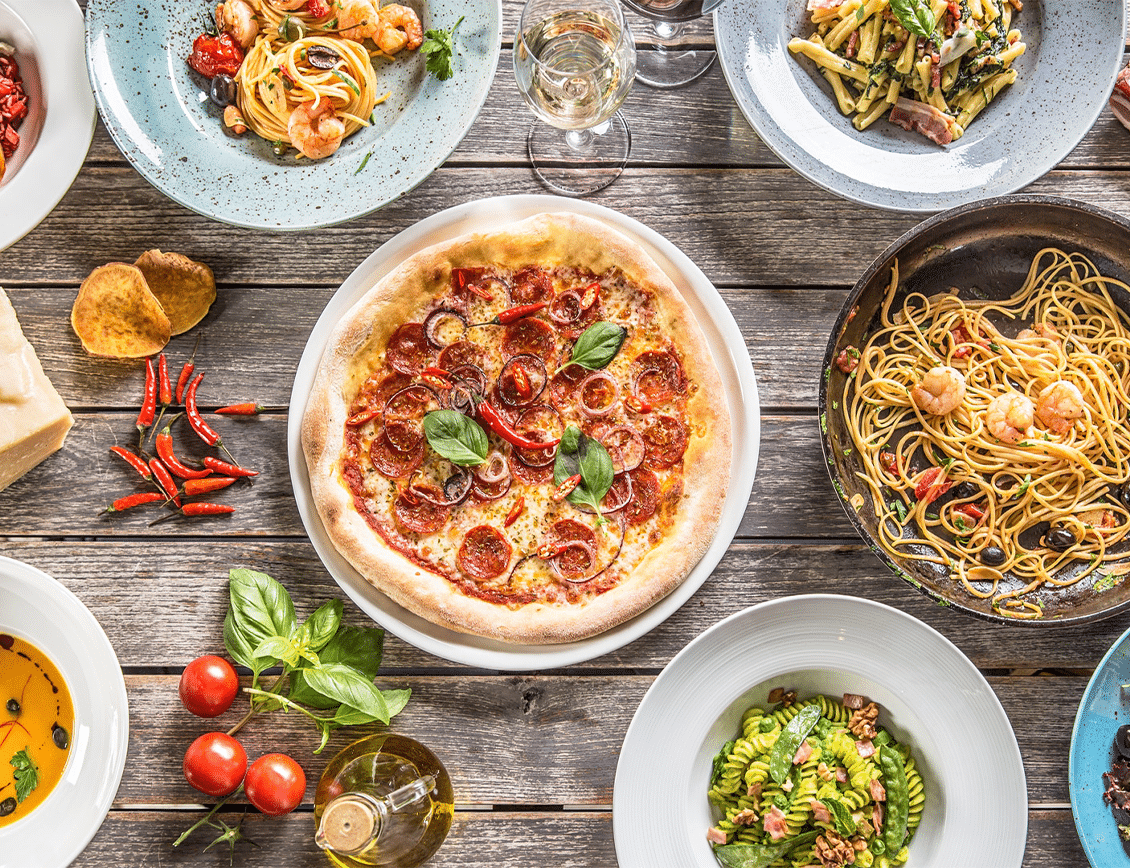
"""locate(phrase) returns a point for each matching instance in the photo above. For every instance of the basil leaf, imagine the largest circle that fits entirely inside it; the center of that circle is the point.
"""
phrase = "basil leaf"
(841, 815)
(598, 345)
(323, 624)
(260, 606)
(916, 16)
(349, 687)
(238, 645)
(277, 647)
(760, 855)
(580, 454)
(357, 647)
(456, 437)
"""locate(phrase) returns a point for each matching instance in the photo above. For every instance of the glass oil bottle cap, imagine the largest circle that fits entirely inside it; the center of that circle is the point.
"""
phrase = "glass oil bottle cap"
(348, 824)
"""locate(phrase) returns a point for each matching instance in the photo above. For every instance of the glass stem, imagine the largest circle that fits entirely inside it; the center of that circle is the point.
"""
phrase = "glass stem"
(579, 140)
(668, 31)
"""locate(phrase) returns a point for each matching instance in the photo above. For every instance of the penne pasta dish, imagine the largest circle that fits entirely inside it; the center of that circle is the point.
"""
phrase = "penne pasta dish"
(930, 66)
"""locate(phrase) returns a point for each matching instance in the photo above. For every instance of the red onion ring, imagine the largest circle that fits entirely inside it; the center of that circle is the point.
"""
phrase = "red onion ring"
(524, 426)
(595, 377)
(432, 322)
(415, 387)
(619, 547)
(487, 493)
(494, 470)
(573, 544)
(566, 308)
(626, 455)
(605, 509)
(471, 376)
(536, 372)
(456, 488)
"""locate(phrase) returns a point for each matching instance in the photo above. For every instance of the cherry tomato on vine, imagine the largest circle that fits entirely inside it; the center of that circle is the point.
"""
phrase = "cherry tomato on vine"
(215, 763)
(275, 784)
(208, 686)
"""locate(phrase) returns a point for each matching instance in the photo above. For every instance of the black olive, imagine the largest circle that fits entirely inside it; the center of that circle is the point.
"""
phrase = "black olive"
(322, 57)
(222, 90)
(965, 490)
(7, 806)
(60, 736)
(1122, 740)
(13, 706)
(1060, 539)
(992, 556)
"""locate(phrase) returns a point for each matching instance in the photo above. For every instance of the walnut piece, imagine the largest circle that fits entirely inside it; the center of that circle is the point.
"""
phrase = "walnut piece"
(862, 723)
(745, 817)
(833, 851)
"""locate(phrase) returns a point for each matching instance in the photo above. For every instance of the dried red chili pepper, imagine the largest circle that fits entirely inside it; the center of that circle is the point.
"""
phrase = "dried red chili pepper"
(164, 445)
(592, 293)
(165, 480)
(635, 402)
(512, 314)
(318, 8)
(515, 511)
(249, 408)
(228, 469)
(460, 276)
(203, 430)
(361, 417)
(165, 389)
(186, 372)
(551, 550)
(132, 500)
(148, 404)
(499, 426)
(566, 488)
(134, 461)
(194, 509)
(193, 487)
(521, 381)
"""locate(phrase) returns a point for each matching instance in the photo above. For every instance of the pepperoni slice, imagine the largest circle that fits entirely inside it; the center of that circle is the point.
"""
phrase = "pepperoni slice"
(418, 514)
(391, 462)
(461, 353)
(529, 286)
(645, 496)
(533, 336)
(404, 435)
(564, 385)
(625, 447)
(531, 475)
(411, 404)
(376, 390)
(664, 442)
(408, 349)
(484, 553)
(521, 381)
(576, 560)
(619, 494)
(658, 376)
(484, 491)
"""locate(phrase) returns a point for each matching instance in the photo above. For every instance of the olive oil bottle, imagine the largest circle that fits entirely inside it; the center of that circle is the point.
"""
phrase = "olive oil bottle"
(384, 800)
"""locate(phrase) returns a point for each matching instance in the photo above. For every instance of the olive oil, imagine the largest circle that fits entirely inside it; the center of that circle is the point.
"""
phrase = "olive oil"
(384, 800)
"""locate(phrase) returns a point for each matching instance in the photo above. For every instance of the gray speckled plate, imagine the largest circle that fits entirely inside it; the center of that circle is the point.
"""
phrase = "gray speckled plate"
(153, 106)
(1074, 52)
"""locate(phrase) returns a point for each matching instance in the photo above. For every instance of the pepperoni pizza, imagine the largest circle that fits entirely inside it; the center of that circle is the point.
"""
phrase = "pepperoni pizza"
(521, 434)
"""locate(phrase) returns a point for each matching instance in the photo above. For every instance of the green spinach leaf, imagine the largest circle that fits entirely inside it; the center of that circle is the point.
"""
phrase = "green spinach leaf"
(916, 16)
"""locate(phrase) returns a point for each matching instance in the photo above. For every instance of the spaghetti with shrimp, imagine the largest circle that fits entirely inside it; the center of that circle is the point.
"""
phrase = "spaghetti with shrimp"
(307, 78)
(994, 436)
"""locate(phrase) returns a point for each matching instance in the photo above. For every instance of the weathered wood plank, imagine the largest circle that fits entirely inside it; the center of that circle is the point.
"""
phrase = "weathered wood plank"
(766, 227)
(557, 737)
(153, 597)
(477, 840)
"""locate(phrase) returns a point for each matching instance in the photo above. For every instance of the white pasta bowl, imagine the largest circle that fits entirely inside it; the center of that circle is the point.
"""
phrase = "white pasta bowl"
(832, 645)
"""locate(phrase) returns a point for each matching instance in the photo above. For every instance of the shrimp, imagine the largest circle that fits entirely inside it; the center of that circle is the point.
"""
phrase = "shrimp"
(1039, 331)
(288, 5)
(357, 19)
(941, 390)
(315, 129)
(1009, 417)
(399, 28)
(237, 18)
(1059, 405)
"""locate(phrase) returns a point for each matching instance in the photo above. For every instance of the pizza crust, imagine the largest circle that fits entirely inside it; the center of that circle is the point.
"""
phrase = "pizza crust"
(550, 239)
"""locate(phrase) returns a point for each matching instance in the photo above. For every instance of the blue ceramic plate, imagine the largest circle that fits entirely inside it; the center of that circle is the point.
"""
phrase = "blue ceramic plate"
(153, 106)
(1101, 712)
(1074, 52)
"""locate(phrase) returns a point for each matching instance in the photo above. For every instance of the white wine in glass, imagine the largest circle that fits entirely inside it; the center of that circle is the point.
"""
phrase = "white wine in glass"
(672, 64)
(574, 62)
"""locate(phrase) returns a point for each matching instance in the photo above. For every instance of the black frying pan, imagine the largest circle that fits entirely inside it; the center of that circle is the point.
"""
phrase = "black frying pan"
(989, 245)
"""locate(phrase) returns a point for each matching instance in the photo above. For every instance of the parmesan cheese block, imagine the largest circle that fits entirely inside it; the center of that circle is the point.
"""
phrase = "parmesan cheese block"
(34, 421)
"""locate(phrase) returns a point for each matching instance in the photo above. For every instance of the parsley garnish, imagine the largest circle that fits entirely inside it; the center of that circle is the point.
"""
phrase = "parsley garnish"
(438, 48)
(26, 774)
(364, 163)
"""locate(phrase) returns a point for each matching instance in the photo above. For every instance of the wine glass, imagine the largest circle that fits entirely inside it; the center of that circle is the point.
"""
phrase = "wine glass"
(574, 61)
(671, 64)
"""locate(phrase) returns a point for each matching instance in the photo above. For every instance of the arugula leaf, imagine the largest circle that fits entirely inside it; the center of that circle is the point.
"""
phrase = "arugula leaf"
(579, 454)
(598, 345)
(438, 48)
(26, 774)
(456, 437)
(916, 16)
(760, 855)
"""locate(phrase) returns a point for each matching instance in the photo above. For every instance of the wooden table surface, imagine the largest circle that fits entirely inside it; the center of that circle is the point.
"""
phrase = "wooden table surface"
(532, 756)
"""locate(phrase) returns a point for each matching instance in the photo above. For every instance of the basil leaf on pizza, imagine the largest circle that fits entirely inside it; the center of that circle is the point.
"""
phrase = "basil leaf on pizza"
(456, 437)
(598, 345)
(586, 422)
(580, 455)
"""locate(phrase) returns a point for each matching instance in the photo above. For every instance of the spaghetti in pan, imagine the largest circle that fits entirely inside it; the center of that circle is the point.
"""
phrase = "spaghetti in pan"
(994, 436)
(930, 66)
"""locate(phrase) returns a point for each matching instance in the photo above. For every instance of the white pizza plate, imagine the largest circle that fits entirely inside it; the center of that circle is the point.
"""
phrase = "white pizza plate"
(932, 699)
(38, 609)
(55, 136)
(726, 345)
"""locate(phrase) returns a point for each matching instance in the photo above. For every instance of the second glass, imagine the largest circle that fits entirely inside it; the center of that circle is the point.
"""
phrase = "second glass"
(574, 61)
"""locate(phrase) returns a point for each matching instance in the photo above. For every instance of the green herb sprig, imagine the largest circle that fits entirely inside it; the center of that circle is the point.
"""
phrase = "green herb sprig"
(438, 48)
(579, 454)
(25, 772)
